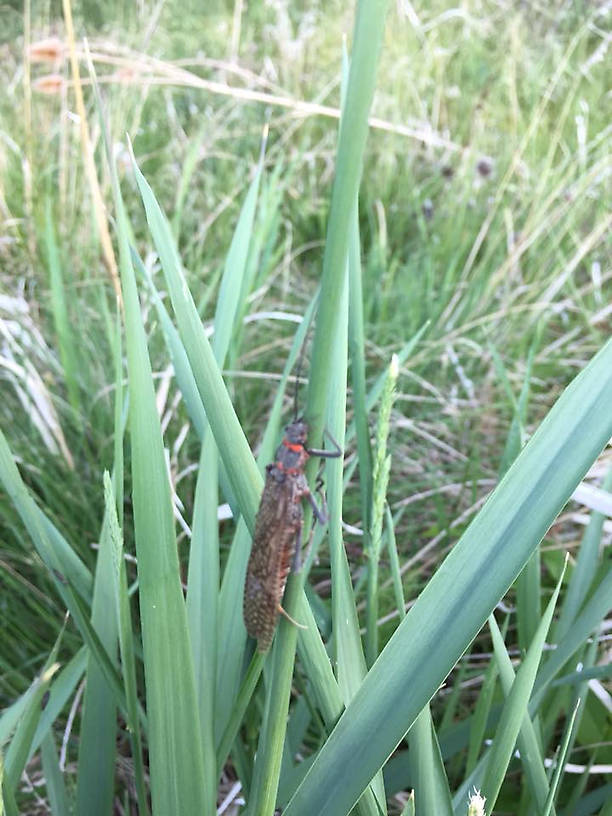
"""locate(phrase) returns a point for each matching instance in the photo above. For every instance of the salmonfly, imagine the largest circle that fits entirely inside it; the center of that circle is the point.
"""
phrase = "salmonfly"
(278, 532)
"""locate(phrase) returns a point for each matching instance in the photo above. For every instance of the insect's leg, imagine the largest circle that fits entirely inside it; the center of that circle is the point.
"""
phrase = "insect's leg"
(296, 564)
(325, 454)
(290, 619)
(320, 513)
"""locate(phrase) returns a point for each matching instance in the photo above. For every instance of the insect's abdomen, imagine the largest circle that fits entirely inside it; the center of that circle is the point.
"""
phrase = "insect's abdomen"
(278, 519)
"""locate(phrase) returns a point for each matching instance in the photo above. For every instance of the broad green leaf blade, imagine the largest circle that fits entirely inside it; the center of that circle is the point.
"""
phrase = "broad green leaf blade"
(463, 592)
(515, 708)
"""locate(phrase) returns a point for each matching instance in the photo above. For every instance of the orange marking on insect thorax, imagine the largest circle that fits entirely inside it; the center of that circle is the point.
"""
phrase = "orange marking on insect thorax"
(296, 448)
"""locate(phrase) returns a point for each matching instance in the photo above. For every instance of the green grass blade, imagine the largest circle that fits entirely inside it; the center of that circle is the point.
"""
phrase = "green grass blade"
(560, 760)
(409, 807)
(55, 788)
(232, 633)
(180, 362)
(528, 584)
(380, 481)
(8, 805)
(353, 133)
(269, 755)
(97, 739)
(68, 348)
(176, 761)
(175, 752)
(19, 748)
(528, 742)
(515, 708)
(461, 595)
(431, 790)
(324, 686)
(367, 42)
(593, 613)
(55, 556)
(126, 641)
(62, 689)
(394, 565)
(245, 479)
(376, 390)
(480, 717)
(350, 661)
(202, 594)
(582, 575)
(231, 292)
(203, 580)
(349, 657)
(528, 593)
(50, 544)
(98, 735)
(240, 706)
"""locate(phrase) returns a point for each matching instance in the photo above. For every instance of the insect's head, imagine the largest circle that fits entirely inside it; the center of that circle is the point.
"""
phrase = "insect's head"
(297, 432)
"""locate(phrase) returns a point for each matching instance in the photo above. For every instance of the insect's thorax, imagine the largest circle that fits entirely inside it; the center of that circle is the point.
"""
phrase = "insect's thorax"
(290, 458)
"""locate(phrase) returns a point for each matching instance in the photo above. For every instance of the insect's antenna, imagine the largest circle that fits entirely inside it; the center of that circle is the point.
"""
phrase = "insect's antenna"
(301, 363)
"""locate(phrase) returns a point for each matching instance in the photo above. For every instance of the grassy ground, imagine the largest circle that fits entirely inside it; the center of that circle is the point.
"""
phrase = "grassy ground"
(483, 215)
